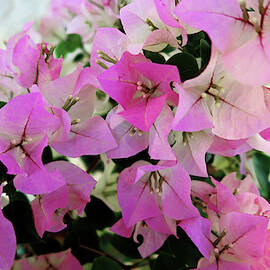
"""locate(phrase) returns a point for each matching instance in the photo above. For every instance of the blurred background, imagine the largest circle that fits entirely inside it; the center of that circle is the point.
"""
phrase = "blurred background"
(15, 13)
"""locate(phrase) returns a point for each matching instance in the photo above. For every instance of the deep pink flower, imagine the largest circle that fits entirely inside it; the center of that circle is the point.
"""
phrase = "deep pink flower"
(140, 87)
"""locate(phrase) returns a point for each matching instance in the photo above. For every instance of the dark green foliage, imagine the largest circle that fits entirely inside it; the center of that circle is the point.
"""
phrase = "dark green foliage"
(205, 53)
(193, 46)
(99, 214)
(46, 245)
(19, 212)
(154, 57)
(2, 104)
(186, 64)
(123, 163)
(69, 45)
(261, 164)
(126, 246)
(102, 263)
(92, 163)
(185, 252)
(165, 261)
(81, 233)
(47, 155)
(78, 57)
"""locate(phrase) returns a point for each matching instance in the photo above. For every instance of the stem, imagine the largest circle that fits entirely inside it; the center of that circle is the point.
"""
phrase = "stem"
(93, 164)
(142, 262)
(96, 4)
(123, 266)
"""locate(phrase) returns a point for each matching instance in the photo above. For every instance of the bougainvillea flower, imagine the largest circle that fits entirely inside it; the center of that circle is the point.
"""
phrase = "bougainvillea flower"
(49, 209)
(222, 102)
(238, 186)
(264, 262)
(155, 190)
(23, 65)
(228, 148)
(91, 16)
(8, 241)
(131, 141)
(253, 204)
(145, 29)
(190, 149)
(152, 239)
(137, 182)
(198, 229)
(253, 229)
(137, 85)
(8, 85)
(110, 42)
(240, 242)
(221, 265)
(30, 63)
(245, 34)
(61, 261)
(25, 126)
(75, 93)
(45, 210)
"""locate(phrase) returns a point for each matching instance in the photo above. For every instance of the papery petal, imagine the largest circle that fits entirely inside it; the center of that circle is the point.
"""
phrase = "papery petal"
(110, 41)
(25, 57)
(152, 240)
(136, 201)
(127, 145)
(90, 137)
(208, 14)
(192, 154)
(198, 229)
(228, 148)
(245, 185)
(79, 183)
(246, 232)
(44, 207)
(176, 191)
(57, 91)
(142, 112)
(39, 182)
(159, 147)
(162, 224)
(253, 58)
(120, 228)
(238, 106)
(159, 39)
(119, 81)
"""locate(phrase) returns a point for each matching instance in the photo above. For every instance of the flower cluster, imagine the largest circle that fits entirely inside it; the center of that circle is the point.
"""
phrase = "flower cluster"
(159, 94)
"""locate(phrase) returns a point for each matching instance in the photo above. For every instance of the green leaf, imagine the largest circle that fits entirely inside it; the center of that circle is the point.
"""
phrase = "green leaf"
(2, 104)
(186, 64)
(102, 263)
(261, 163)
(70, 44)
(19, 212)
(154, 57)
(168, 49)
(126, 246)
(78, 57)
(47, 155)
(193, 45)
(81, 232)
(87, 266)
(99, 213)
(205, 52)
(165, 261)
(185, 252)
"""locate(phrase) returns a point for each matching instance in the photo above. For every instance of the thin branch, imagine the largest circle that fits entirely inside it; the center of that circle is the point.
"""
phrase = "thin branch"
(123, 266)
